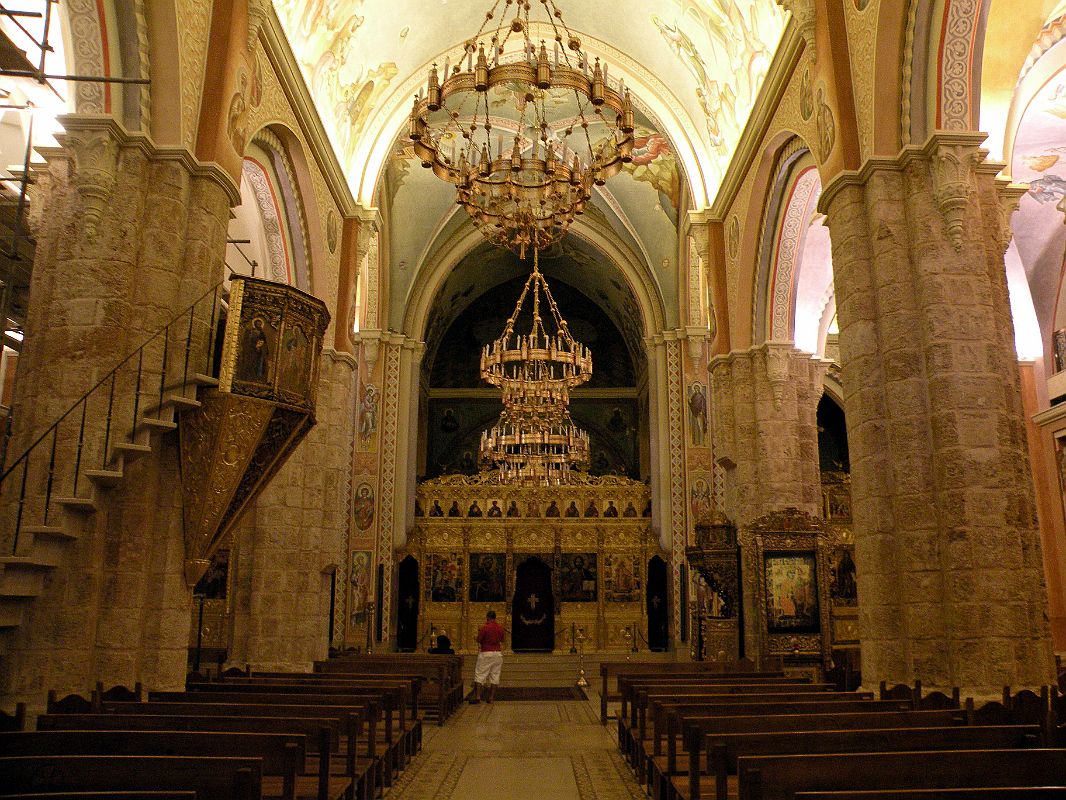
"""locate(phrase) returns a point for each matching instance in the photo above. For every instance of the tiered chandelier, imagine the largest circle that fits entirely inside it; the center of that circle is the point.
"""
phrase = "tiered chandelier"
(535, 442)
(522, 180)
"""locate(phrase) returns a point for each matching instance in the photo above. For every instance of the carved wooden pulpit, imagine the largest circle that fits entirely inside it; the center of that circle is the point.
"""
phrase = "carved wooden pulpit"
(717, 606)
(263, 407)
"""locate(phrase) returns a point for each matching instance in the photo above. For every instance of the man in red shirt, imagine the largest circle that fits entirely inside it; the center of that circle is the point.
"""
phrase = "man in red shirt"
(489, 660)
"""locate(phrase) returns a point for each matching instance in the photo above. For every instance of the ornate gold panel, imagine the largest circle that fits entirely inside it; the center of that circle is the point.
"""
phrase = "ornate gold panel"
(793, 546)
(246, 429)
(622, 546)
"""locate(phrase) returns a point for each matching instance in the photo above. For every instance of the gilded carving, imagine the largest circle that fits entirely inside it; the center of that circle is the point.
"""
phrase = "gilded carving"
(791, 557)
(258, 11)
(599, 564)
(245, 430)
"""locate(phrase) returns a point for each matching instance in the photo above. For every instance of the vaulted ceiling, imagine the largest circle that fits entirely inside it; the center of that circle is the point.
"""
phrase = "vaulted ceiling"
(695, 67)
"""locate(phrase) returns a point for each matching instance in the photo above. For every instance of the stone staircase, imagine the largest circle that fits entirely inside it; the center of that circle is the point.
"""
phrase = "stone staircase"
(50, 489)
(545, 670)
(43, 548)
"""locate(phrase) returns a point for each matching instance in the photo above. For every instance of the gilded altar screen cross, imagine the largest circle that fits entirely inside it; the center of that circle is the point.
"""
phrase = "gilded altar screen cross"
(533, 600)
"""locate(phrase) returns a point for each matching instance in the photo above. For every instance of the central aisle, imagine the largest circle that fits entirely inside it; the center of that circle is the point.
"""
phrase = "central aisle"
(518, 751)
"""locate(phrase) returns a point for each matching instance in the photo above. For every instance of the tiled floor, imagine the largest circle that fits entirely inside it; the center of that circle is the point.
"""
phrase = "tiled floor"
(519, 751)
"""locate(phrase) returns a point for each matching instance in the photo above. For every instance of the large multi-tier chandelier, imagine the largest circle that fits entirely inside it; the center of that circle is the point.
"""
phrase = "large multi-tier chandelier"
(523, 169)
(535, 442)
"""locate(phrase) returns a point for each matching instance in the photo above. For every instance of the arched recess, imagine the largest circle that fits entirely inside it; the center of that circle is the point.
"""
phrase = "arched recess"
(793, 295)
(269, 228)
(436, 268)
(456, 407)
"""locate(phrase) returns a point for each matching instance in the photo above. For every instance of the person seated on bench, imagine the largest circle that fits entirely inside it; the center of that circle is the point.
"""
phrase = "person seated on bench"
(443, 646)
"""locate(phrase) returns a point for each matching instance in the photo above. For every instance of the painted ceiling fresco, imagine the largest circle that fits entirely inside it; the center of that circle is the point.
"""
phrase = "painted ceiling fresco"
(360, 58)
(1039, 159)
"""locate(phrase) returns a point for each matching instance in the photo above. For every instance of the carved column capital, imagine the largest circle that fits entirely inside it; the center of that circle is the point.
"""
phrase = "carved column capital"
(778, 358)
(94, 150)
(1009, 194)
(803, 15)
(258, 11)
(953, 162)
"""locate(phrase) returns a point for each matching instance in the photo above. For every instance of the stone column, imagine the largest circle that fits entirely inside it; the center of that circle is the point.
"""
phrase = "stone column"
(129, 235)
(947, 548)
(764, 403)
(295, 535)
(666, 418)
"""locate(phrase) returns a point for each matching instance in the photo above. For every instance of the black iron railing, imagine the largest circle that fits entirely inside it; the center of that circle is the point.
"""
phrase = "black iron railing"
(85, 440)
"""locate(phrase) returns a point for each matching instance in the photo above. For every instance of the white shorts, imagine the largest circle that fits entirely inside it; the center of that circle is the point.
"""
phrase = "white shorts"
(487, 668)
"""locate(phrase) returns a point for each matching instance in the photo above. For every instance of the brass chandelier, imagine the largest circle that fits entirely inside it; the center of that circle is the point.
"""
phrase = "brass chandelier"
(535, 442)
(522, 180)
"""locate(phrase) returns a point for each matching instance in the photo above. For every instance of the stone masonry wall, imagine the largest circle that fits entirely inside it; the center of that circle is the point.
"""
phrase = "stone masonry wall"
(947, 549)
(128, 237)
(293, 535)
(763, 415)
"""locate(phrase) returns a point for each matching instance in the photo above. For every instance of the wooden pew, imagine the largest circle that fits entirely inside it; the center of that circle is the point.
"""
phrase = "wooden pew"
(350, 717)
(781, 777)
(724, 750)
(409, 723)
(638, 696)
(663, 768)
(320, 733)
(390, 699)
(310, 683)
(821, 718)
(446, 671)
(711, 669)
(981, 793)
(283, 755)
(212, 778)
(634, 731)
(628, 684)
(14, 722)
(819, 715)
(636, 739)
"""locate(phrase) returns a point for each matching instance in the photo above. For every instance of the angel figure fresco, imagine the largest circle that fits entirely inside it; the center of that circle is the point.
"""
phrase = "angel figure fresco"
(359, 99)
